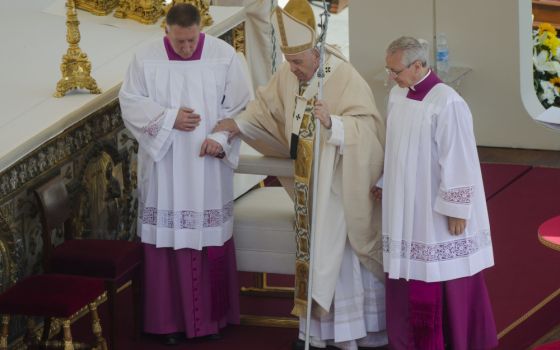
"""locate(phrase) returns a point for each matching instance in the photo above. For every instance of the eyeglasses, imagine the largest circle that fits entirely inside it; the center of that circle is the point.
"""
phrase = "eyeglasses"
(394, 74)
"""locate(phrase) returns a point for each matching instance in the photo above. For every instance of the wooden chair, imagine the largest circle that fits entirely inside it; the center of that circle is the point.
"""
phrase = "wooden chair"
(114, 261)
(53, 296)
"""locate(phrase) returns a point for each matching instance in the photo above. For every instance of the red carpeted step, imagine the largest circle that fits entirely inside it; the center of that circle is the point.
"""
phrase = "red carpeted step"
(550, 346)
(526, 272)
(496, 177)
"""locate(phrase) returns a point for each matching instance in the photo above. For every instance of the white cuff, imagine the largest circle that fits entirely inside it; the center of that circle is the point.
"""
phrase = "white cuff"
(231, 150)
(336, 133)
(221, 137)
(163, 137)
(170, 117)
(380, 182)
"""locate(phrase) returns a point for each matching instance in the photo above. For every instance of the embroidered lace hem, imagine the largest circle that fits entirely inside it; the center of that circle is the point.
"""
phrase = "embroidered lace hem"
(443, 251)
(187, 219)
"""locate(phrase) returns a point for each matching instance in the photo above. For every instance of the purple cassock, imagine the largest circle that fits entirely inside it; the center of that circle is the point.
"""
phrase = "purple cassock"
(188, 290)
(432, 316)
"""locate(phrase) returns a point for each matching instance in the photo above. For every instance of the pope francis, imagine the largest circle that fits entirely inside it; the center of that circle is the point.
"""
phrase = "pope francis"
(348, 294)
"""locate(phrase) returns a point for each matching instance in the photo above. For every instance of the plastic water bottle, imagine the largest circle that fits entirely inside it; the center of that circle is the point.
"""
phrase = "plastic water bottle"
(442, 53)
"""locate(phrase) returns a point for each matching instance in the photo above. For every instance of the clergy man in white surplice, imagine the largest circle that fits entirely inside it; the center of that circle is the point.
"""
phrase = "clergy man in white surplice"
(175, 92)
(436, 232)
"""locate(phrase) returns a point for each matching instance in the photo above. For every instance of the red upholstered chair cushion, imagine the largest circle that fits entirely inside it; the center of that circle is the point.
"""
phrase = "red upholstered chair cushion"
(50, 295)
(97, 258)
(549, 231)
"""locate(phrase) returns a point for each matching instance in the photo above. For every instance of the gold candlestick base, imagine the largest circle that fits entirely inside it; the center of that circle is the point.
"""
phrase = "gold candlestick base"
(202, 5)
(75, 66)
(143, 11)
(97, 7)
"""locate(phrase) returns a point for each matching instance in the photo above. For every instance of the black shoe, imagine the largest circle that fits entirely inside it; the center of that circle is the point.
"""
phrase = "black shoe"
(170, 339)
(300, 345)
(216, 336)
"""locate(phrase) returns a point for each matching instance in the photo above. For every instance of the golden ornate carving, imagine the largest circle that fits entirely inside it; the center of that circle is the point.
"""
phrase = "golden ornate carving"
(202, 5)
(239, 38)
(70, 152)
(268, 321)
(67, 335)
(100, 208)
(4, 334)
(8, 224)
(75, 67)
(143, 11)
(100, 342)
(97, 7)
(31, 337)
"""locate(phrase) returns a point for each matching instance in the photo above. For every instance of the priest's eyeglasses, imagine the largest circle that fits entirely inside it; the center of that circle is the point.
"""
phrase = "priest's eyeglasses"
(394, 74)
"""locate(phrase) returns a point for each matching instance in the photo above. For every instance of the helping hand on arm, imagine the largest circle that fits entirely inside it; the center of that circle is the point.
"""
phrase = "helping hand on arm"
(228, 125)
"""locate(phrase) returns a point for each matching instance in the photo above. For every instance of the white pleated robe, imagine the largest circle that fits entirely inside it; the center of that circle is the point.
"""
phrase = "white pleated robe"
(185, 201)
(432, 172)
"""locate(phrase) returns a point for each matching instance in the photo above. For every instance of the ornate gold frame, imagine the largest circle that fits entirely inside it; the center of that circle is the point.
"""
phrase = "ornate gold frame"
(145, 11)
(97, 7)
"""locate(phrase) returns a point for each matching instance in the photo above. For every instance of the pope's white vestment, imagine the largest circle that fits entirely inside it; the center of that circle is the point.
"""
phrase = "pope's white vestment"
(348, 248)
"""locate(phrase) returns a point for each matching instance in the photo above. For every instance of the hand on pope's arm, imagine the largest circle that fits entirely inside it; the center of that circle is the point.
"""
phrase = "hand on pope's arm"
(211, 148)
(376, 192)
(228, 125)
(456, 226)
(321, 112)
(186, 119)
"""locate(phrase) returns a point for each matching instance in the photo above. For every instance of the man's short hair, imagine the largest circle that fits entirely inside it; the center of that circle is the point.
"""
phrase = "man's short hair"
(412, 48)
(184, 15)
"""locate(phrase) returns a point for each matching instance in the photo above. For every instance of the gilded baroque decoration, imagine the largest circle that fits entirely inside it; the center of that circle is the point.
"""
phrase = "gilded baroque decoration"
(238, 41)
(202, 5)
(97, 7)
(236, 38)
(7, 267)
(143, 11)
(96, 144)
(75, 67)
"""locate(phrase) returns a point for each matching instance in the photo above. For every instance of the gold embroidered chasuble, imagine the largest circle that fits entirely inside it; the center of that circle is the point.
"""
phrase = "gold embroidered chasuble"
(303, 169)
(267, 125)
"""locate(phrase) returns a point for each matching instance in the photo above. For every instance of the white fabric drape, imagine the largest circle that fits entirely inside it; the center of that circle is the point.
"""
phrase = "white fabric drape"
(357, 316)
(262, 51)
